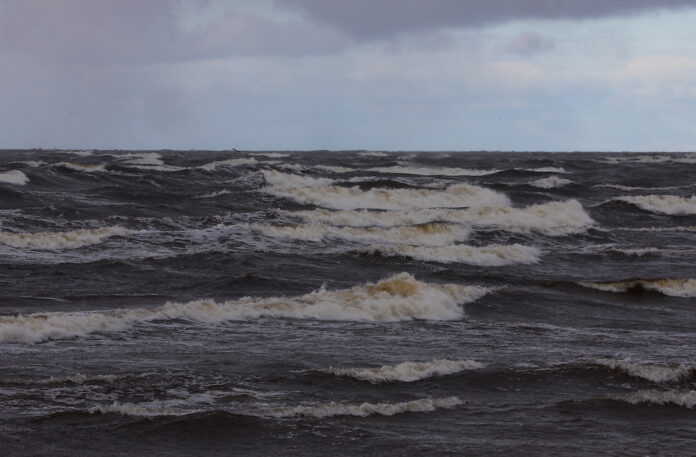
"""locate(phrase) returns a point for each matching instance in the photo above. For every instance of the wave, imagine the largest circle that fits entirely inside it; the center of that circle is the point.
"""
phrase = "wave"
(373, 154)
(555, 218)
(321, 192)
(637, 252)
(368, 409)
(15, 177)
(214, 194)
(432, 171)
(272, 155)
(544, 170)
(212, 166)
(62, 240)
(651, 372)
(631, 188)
(83, 167)
(407, 371)
(433, 234)
(336, 169)
(665, 204)
(399, 298)
(686, 399)
(685, 288)
(491, 256)
(151, 409)
(551, 182)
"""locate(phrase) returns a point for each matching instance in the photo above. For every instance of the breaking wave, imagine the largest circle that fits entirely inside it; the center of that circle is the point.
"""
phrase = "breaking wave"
(684, 288)
(321, 192)
(491, 256)
(229, 163)
(15, 177)
(399, 298)
(554, 218)
(407, 371)
(425, 235)
(151, 409)
(62, 240)
(685, 399)
(651, 372)
(368, 409)
(551, 182)
(637, 252)
(83, 167)
(431, 171)
(665, 204)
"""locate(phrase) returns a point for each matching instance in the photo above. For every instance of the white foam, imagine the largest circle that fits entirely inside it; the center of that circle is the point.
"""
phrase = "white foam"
(686, 399)
(368, 409)
(399, 298)
(335, 169)
(320, 192)
(673, 287)
(649, 371)
(424, 235)
(33, 163)
(272, 155)
(81, 153)
(214, 194)
(551, 182)
(15, 177)
(407, 371)
(229, 163)
(144, 158)
(555, 218)
(149, 409)
(544, 170)
(84, 167)
(433, 171)
(373, 154)
(666, 204)
(492, 256)
(62, 240)
(637, 252)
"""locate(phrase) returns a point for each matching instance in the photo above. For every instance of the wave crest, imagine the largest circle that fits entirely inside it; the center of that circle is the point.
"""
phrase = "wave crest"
(368, 409)
(665, 204)
(493, 256)
(649, 371)
(62, 240)
(15, 177)
(399, 298)
(407, 371)
(684, 288)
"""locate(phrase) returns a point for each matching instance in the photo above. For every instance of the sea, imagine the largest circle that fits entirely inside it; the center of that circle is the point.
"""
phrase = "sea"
(352, 303)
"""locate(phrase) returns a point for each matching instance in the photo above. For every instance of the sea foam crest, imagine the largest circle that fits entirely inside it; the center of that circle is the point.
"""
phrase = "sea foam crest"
(424, 235)
(212, 166)
(62, 240)
(493, 256)
(321, 192)
(673, 287)
(650, 371)
(368, 409)
(150, 409)
(433, 171)
(407, 371)
(665, 204)
(551, 182)
(399, 298)
(15, 177)
(554, 218)
(83, 167)
(686, 399)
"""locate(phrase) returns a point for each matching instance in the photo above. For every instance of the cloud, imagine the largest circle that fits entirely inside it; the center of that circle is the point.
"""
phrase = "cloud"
(372, 19)
(529, 43)
(151, 31)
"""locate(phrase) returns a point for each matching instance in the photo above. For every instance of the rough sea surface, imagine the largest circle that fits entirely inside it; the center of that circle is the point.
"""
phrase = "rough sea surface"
(320, 303)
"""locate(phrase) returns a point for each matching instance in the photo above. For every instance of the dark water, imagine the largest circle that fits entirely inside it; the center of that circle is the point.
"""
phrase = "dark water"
(214, 304)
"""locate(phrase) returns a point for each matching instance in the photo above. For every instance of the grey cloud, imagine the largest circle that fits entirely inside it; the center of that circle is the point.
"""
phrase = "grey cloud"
(148, 31)
(529, 43)
(371, 19)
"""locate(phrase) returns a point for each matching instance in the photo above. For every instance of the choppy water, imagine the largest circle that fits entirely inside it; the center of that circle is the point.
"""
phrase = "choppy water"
(354, 303)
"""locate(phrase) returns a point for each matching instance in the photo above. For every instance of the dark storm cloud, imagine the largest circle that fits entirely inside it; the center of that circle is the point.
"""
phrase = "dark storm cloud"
(383, 18)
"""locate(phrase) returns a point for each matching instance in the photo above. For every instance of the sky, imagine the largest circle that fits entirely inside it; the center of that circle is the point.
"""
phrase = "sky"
(539, 75)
